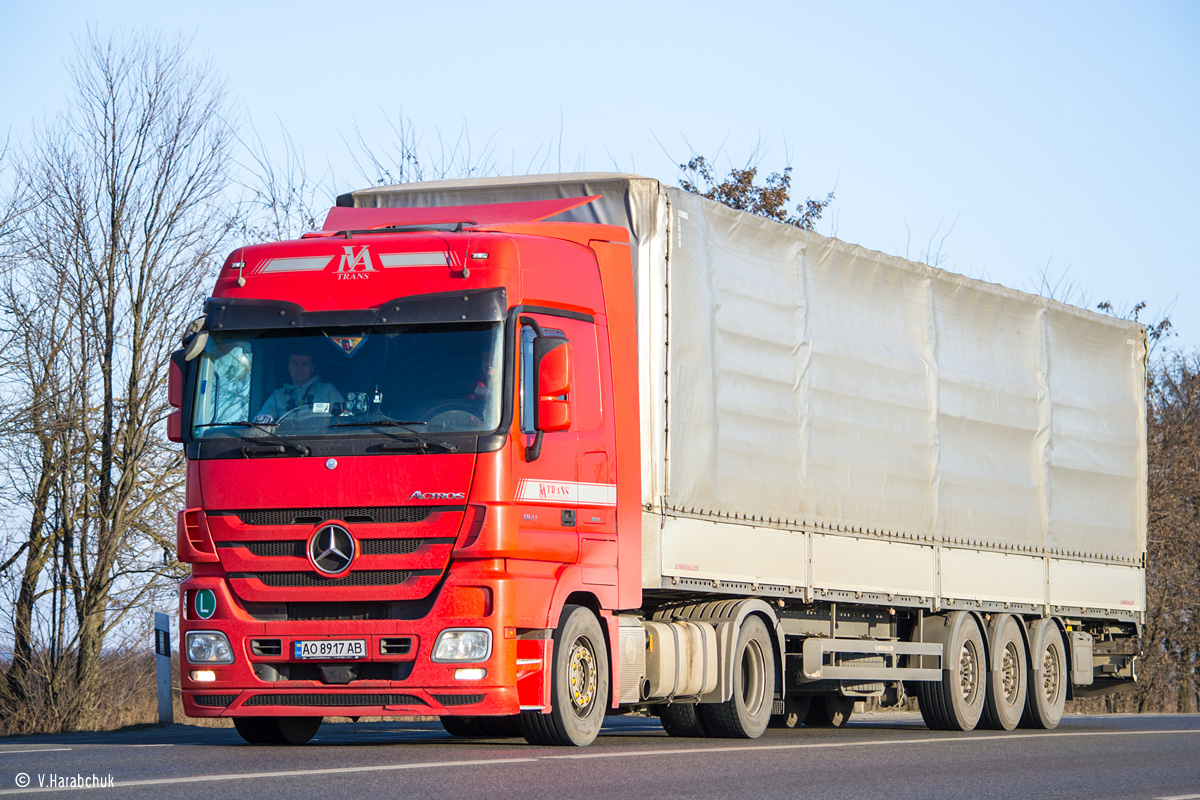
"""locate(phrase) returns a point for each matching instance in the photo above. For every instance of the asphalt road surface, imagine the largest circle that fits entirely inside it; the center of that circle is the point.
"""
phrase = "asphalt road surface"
(877, 756)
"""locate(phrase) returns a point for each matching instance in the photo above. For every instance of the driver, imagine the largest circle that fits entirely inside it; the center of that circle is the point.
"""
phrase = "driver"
(306, 389)
(484, 387)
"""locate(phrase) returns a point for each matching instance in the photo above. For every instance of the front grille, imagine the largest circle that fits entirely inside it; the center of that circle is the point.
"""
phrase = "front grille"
(291, 548)
(214, 700)
(458, 699)
(274, 549)
(313, 516)
(334, 700)
(390, 547)
(362, 671)
(335, 610)
(296, 580)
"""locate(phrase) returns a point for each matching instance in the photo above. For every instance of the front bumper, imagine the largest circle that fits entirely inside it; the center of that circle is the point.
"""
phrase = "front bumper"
(396, 678)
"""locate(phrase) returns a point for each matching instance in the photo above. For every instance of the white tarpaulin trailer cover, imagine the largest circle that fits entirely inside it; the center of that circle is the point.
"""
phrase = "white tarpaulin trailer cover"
(824, 418)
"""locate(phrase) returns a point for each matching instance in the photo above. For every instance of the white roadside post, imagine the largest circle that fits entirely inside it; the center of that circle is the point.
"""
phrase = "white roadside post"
(162, 659)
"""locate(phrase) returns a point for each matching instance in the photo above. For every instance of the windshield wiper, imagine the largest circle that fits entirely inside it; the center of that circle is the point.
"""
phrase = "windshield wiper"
(274, 436)
(396, 423)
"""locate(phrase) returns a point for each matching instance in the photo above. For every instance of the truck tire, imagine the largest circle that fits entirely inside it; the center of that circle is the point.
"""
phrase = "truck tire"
(483, 727)
(1007, 678)
(745, 715)
(829, 711)
(461, 726)
(955, 703)
(682, 719)
(1047, 694)
(795, 710)
(277, 730)
(579, 692)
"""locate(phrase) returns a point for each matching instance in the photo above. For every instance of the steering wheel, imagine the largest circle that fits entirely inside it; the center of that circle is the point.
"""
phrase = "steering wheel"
(452, 411)
(300, 416)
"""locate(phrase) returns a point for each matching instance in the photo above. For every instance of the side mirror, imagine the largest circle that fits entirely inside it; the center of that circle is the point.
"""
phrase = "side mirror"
(552, 365)
(552, 355)
(195, 339)
(175, 397)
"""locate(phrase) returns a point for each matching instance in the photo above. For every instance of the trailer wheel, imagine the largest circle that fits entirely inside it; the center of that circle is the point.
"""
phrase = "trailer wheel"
(829, 711)
(795, 710)
(578, 684)
(1047, 695)
(745, 715)
(681, 719)
(955, 703)
(277, 730)
(1008, 678)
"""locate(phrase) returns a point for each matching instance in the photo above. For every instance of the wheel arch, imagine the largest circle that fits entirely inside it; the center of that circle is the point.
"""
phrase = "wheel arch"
(608, 624)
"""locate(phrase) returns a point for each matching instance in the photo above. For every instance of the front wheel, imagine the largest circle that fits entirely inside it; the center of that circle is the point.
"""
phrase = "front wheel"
(277, 730)
(483, 727)
(578, 684)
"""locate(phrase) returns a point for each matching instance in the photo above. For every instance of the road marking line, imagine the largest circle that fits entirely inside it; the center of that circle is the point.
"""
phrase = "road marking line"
(616, 754)
(999, 737)
(163, 744)
(41, 750)
(1180, 797)
(288, 774)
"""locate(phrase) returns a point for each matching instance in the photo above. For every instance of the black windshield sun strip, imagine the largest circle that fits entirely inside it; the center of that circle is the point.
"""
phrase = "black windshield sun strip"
(395, 423)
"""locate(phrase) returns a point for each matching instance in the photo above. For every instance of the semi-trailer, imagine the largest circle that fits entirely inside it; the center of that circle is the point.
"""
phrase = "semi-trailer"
(523, 452)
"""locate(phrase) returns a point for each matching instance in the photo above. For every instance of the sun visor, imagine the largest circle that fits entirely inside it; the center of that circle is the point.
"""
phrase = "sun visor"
(361, 219)
(468, 305)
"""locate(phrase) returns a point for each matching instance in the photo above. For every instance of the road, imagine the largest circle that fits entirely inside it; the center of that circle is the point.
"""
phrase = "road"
(877, 756)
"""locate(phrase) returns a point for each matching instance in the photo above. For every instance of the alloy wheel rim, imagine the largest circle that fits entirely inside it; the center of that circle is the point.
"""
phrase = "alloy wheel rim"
(968, 671)
(1051, 677)
(581, 672)
(1011, 677)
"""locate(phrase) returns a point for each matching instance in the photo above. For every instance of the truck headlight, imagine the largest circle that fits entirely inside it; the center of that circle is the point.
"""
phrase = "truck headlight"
(463, 644)
(208, 647)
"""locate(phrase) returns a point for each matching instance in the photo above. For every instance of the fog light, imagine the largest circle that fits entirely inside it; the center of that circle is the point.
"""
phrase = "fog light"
(204, 675)
(463, 644)
(470, 674)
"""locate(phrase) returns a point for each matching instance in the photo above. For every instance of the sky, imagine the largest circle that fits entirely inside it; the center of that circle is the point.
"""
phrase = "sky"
(1001, 140)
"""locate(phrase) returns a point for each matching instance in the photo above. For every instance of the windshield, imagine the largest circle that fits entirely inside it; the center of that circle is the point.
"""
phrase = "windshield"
(346, 382)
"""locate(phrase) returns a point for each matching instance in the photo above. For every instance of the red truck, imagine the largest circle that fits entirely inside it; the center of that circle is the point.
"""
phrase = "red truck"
(446, 457)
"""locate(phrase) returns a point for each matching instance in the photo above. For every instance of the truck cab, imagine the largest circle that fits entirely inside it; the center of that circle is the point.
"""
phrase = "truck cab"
(401, 461)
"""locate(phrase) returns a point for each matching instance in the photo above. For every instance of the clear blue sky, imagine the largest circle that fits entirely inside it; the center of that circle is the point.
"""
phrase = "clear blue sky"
(1060, 133)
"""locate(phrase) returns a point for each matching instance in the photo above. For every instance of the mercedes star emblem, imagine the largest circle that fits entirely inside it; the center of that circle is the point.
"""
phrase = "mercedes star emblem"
(331, 549)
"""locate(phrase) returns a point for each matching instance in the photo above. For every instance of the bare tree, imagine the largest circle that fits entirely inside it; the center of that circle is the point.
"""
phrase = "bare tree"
(406, 158)
(102, 274)
(283, 199)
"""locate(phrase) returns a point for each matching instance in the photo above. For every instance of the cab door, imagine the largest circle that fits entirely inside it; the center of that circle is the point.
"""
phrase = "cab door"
(568, 487)
(545, 467)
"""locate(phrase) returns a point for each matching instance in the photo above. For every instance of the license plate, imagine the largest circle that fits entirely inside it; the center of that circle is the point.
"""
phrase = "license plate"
(331, 648)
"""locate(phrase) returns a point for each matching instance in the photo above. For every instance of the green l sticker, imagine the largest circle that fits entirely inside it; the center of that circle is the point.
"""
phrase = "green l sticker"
(205, 603)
